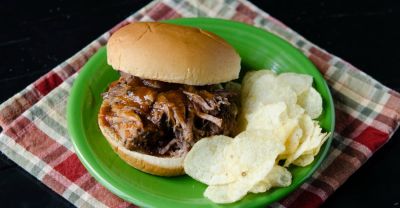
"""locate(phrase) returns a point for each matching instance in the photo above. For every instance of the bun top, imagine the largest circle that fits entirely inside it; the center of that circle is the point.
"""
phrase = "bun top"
(172, 53)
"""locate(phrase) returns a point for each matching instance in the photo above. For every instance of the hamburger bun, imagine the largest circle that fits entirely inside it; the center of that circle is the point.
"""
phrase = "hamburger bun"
(172, 53)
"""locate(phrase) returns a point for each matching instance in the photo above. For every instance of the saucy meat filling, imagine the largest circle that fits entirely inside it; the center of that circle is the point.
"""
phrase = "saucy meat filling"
(166, 119)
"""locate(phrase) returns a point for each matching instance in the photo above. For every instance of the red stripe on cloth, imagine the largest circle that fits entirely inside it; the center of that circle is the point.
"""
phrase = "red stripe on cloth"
(88, 184)
(323, 185)
(242, 18)
(355, 152)
(10, 112)
(66, 71)
(348, 126)
(18, 128)
(31, 138)
(306, 199)
(162, 11)
(340, 169)
(322, 65)
(48, 83)
(391, 120)
(91, 50)
(372, 138)
(55, 154)
(320, 54)
(290, 198)
(69, 70)
(342, 120)
(105, 196)
(54, 184)
(71, 168)
(245, 10)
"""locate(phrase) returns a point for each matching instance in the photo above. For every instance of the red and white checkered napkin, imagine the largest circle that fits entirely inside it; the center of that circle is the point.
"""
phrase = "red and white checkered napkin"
(35, 132)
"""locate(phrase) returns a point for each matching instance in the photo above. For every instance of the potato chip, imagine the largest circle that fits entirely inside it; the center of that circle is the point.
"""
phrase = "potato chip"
(304, 160)
(293, 141)
(228, 193)
(278, 177)
(312, 148)
(265, 89)
(316, 138)
(252, 149)
(269, 94)
(298, 82)
(309, 144)
(261, 186)
(295, 111)
(267, 117)
(307, 126)
(250, 78)
(311, 101)
(253, 152)
(205, 161)
(314, 151)
(286, 129)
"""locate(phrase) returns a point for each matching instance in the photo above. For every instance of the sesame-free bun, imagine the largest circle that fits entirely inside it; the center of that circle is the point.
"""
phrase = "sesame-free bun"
(162, 166)
(172, 53)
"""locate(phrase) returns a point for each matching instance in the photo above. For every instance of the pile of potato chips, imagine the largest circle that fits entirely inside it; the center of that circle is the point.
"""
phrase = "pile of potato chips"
(276, 124)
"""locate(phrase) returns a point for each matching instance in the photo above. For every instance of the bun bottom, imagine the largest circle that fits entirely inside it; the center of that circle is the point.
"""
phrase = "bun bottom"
(161, 166)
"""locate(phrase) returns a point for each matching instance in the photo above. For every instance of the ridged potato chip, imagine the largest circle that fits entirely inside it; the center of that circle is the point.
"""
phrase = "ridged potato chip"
(298, 82)
(312, 148)
(265, 89)
(311, 142)
(295, 111)
(228, 193)
(253, 149)
(205, 161)
(272, 117)
(278, 177)
(307, 126)
(304, 160)
(254, 153)
(269, 94)
(261, 186)
(311, 101)
(314, 151)
(293, 141)
(267, 117)
(250, 78)
(286, 130)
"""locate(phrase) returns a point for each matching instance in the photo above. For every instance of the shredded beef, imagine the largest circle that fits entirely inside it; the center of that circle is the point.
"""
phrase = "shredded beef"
(166, 119)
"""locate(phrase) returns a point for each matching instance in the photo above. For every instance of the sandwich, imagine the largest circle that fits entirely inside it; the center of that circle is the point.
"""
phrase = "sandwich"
(173, 91)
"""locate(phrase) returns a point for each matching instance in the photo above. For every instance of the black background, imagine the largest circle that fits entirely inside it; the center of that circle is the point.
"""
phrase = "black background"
(37, 35)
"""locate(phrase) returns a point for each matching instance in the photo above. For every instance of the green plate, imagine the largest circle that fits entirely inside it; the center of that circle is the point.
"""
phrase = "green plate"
(258, 49)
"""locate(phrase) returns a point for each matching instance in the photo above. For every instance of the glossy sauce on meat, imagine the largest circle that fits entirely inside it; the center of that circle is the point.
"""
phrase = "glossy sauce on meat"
(166, 119)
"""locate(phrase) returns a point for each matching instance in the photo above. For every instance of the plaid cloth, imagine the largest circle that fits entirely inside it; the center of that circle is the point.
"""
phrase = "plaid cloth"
(35, 132)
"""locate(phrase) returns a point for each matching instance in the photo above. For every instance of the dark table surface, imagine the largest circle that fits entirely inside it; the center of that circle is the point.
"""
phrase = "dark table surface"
(35, 37)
